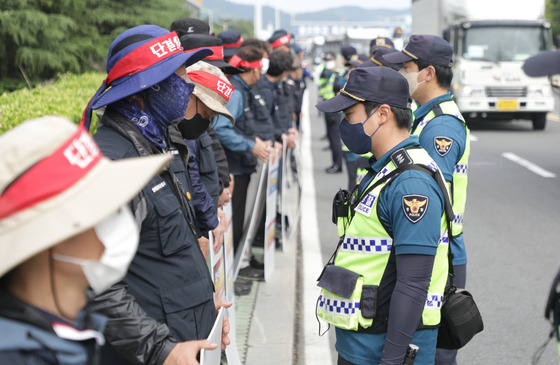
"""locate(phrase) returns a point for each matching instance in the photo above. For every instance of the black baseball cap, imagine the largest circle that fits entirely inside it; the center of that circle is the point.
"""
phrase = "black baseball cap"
(543, 64)
(357, 60)
(185, 26)
(378, 84)
(232, 40)
(425, 47)
(193, 41)
(347, 52)
(383, 42)
(378, 60)
(280, 38)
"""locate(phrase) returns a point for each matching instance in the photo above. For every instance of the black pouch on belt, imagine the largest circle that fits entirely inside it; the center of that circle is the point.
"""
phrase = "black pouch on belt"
(341, 204)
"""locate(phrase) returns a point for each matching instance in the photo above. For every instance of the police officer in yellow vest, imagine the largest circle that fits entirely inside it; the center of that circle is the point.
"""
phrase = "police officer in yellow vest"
(328, 90)
(443, 134)
(383, 287)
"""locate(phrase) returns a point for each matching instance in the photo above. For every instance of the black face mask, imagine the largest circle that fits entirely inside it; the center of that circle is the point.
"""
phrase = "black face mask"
(194, 127)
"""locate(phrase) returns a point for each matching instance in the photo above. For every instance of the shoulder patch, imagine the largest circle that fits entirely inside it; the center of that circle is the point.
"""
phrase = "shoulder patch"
(442, 145)
(400, 157)
(415, 207)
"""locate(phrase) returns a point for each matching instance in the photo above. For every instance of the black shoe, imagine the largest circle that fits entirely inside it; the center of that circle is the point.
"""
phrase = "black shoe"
(251, 273)
(334, 170)
(242, 286)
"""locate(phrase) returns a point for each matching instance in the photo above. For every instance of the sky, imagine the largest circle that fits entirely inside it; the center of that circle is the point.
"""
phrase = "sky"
(302, 6)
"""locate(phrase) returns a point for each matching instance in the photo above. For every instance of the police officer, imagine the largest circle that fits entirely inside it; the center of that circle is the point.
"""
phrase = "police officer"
(384, 285)
(328, 90)
(442, 131)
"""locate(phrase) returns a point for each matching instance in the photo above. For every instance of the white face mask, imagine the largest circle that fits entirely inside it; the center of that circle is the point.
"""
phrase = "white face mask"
(265, 63)
(330, 65)
(119, 234)
(412, 78)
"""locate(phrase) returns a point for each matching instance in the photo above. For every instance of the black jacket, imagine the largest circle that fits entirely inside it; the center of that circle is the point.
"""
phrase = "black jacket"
(167, 295)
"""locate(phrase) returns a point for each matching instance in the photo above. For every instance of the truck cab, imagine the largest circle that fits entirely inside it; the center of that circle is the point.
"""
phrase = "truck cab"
(488, 81)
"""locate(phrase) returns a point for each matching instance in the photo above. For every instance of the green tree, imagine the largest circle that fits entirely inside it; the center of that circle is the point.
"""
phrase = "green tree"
(552, 12)
(45, 37)
(245, 27)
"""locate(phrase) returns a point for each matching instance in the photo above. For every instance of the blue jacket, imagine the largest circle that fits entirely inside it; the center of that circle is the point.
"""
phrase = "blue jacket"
(206, 213)
(28, 336)
(168, 277)
(238, 140)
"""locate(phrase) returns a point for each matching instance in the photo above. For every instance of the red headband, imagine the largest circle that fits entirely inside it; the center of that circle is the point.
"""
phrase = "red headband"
(213, 82)
(52, 175)
(285, 39)
(234, 45)
(218, 52)
(145, 56)
(237, 61)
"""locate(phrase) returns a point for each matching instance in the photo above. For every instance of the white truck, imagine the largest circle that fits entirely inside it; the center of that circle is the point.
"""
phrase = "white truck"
(491, 39)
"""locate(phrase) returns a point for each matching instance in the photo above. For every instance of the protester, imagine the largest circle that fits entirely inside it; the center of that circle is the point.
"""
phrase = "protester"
(167, 295)
(64, 225)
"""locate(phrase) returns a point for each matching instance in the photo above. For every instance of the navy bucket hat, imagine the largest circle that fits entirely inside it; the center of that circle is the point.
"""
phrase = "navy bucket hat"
(139, 58)
(378, 84)
(425, 47)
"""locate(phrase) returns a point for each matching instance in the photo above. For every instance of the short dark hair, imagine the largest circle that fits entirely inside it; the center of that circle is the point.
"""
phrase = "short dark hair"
(280, 61)
(444, 74)
(257, 43)
(249, 53)
(402, 115)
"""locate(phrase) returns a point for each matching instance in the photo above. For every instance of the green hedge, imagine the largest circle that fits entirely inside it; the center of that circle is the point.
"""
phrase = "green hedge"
(67, 97)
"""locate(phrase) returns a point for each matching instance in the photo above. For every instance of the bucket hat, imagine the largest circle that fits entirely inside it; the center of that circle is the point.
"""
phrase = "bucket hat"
(139, 58)
(211, 86)
(279, 38)
(55, 183)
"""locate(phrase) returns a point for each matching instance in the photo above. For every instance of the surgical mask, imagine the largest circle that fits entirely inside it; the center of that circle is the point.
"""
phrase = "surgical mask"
(194, 127)
(354, 136)
(330, 65)
(412, 78)
(266, 64)
(119, 234)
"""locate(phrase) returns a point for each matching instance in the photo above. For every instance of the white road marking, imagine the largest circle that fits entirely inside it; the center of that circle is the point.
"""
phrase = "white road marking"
(528, 165)
(317, 350)
(554, 117)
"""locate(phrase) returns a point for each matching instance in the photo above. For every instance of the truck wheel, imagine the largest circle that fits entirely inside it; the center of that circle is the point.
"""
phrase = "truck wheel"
(539, 121)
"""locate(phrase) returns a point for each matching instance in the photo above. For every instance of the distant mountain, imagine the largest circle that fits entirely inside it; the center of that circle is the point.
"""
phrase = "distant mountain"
(228, 9)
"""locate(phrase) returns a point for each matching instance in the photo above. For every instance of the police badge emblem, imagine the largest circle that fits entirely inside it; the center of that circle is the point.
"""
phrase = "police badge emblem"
(415, 206)
(442, 145)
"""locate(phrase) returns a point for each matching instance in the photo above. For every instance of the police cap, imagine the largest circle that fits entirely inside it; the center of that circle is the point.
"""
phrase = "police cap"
(425, 47)
(347, 52)
(543, 64)
(380, 42)
(378, 84)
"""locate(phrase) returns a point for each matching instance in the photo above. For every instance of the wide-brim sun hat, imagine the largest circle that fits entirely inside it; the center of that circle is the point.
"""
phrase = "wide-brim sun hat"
(55, 184)
(543, 64)
(211, 86)
(139, 58)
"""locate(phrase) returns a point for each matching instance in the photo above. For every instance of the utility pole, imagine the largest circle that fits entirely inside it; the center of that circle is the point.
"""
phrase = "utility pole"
(257, 21)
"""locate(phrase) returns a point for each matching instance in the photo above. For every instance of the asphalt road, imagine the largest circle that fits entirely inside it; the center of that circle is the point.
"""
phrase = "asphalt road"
(511, 229)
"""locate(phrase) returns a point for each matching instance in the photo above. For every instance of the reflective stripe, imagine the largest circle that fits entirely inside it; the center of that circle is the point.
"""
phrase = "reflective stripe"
(342, 307)
(434, 301)
(458, 219)
(369, 245)
(443, 239)
(461, 169)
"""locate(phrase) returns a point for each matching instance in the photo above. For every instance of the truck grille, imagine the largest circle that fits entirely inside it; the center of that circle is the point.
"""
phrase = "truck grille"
(506, 92)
